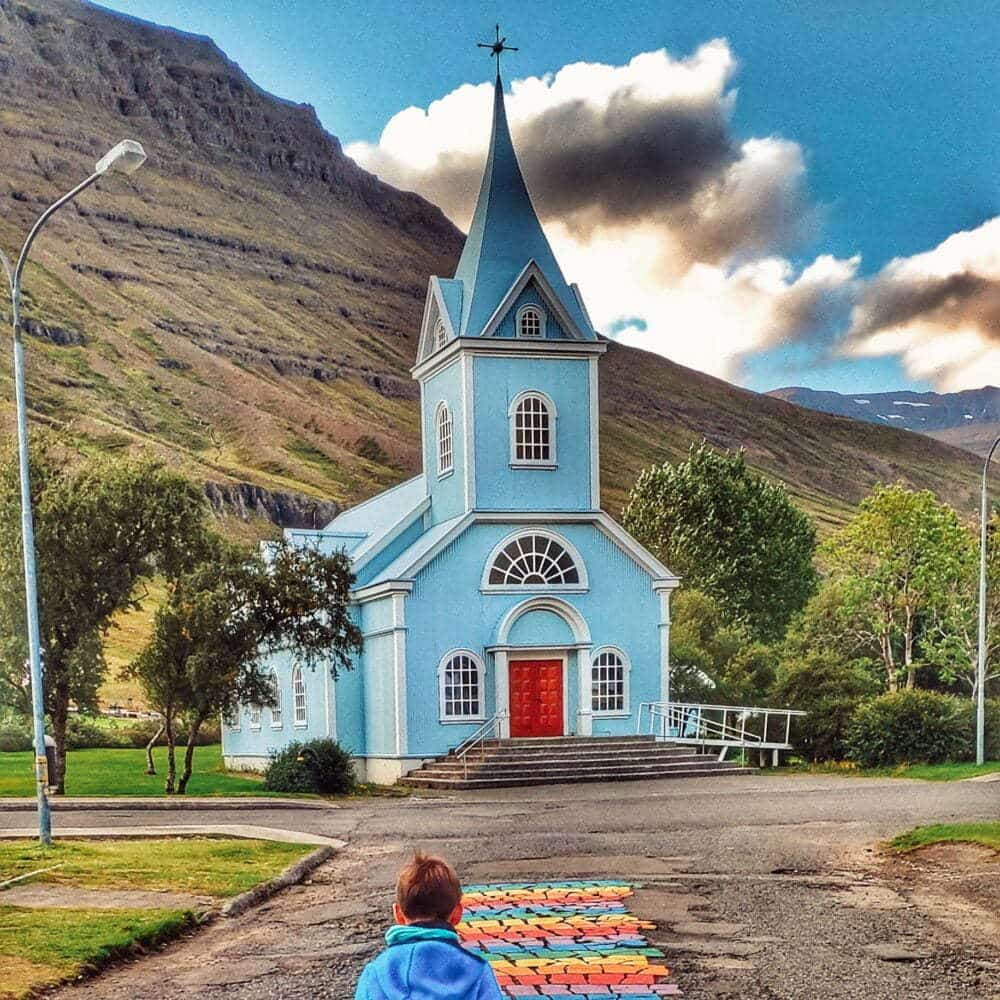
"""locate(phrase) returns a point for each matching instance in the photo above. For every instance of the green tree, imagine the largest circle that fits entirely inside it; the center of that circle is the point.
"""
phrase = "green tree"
(224, 616)
(894, 564)
(100, 529)
(729, 532)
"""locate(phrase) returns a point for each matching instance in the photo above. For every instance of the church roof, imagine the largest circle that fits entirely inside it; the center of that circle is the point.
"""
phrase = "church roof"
(504, 237)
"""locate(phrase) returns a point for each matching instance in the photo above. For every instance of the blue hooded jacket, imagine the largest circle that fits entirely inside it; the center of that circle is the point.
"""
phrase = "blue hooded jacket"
(424, 961)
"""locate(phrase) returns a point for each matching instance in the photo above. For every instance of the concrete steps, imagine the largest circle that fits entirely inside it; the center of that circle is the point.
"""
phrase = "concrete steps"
(567, 760)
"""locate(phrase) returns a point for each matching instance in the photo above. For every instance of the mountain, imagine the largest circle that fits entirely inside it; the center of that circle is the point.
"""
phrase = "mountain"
(969, 419)
(246, 306)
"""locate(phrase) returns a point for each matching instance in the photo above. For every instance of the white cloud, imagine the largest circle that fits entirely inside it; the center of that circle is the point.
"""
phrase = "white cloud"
(938, 311)
(650, 202)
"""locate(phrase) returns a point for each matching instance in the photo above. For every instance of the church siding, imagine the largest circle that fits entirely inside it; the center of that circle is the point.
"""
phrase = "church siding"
(498, 380)
(530, 296)
(447, 492)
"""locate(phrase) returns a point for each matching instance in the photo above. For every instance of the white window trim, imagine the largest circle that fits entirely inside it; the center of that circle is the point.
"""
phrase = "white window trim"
(533, 463)
(541, 322)
(509, 588)
(443, 408)
(439, 335)
(626, 691)
(254, 715)
(276, 685)
(461, 720)
(304, 723)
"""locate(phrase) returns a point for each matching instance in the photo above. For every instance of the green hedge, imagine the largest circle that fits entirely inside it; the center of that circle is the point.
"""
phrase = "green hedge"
(319, 766)
(97, 733)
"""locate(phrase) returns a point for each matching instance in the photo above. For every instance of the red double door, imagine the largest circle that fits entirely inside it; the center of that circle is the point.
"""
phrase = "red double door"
(536, 698)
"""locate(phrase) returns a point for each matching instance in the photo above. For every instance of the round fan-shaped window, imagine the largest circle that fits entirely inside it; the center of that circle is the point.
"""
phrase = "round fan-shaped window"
(533, 561)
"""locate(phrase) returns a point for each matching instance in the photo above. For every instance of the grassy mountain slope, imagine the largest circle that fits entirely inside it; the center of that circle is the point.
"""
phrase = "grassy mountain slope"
(247, 305)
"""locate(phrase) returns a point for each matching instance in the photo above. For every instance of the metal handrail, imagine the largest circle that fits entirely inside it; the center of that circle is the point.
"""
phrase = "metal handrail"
(461, 752)
(678, 715)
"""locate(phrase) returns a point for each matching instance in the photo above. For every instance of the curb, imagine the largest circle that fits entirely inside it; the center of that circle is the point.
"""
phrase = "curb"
(127, 803)
(240, 831)
(292, 875)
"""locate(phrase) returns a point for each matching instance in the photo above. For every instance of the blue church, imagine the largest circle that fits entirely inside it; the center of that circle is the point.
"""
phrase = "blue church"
(492, 590)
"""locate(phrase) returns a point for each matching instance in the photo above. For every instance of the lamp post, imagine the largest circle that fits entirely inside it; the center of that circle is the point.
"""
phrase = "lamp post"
(126, 157)
(981, 665)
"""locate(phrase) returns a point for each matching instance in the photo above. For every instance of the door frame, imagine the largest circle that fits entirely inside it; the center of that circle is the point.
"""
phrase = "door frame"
(502, 659)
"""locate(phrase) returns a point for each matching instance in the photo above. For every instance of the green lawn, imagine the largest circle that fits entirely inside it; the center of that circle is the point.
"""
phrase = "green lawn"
(208, 866)
(926, 772)
(121, 772)
(987, 834)
(40, 948)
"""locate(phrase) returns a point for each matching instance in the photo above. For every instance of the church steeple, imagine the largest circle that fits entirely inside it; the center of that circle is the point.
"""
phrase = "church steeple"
(505, 234)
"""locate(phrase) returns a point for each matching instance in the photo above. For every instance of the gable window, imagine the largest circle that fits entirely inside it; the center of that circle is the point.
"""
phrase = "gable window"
(445, 448)
(276, 701)
(440, 335)
(530, 322)
(532, 560)
(460, 682)
(532, 430)
(609, 683)
(299, 697)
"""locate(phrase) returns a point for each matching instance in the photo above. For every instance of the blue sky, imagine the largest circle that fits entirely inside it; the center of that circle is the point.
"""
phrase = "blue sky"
(892, 104)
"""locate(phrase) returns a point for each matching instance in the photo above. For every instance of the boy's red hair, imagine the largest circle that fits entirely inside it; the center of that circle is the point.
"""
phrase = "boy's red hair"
(428, 889)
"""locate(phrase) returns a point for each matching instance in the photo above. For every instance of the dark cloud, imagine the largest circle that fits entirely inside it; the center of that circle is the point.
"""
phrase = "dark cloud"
(963, 299)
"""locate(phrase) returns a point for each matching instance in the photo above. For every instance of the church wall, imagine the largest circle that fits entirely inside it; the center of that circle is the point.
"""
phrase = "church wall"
(447, 492)
(374, 566)
(447, 611)
(379, 664)
(567, 382)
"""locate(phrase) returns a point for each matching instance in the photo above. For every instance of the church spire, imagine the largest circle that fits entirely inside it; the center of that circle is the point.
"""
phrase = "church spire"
(505, 234)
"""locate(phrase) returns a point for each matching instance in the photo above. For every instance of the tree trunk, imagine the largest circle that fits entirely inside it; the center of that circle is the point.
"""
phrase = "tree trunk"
(60, 722)
(189, 754)
(168, 728)
(150, 766)
(890, 663)
(911, 670)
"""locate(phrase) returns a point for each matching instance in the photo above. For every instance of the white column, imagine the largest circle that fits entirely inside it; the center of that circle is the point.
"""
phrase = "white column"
(399, 671)
(501, 688)
(664, 644)
(584, 711)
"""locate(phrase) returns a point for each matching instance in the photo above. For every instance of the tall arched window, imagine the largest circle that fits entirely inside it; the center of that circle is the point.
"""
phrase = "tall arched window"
(301, 717)
(254, 716)
(532, 430)
(445, 443)
(276, 702)
(530, 322)
(460, 687)
(440, 334)
(609, 682)
(533, 560)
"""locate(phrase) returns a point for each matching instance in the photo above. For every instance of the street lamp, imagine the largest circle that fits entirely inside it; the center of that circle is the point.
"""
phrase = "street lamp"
(126, 158)
(981, 666)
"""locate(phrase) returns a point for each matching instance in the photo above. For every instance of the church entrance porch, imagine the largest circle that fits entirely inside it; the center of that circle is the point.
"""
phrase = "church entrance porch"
(536, 698)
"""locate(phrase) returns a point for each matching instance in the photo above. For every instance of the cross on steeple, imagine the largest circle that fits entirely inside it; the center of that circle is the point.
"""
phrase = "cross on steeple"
(497, 47)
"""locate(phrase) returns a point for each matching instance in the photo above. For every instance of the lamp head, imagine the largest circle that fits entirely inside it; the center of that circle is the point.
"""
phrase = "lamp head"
(126, 158)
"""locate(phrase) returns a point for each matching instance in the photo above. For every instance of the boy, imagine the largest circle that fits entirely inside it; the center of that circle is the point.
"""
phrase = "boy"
(424, 959)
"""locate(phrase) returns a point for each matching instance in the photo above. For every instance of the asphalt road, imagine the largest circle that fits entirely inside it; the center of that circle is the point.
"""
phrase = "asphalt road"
(768, 887)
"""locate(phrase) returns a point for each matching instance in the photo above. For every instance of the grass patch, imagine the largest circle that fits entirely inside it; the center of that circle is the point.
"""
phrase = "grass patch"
(925, 772)
(987, 834)
(202, 866)
(121, 772)
(43, 947)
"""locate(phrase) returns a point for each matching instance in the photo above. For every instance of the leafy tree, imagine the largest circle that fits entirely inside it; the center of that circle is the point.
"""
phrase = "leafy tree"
(894, 564)
(224, 616)
(100, 529)
(729, 532)
(950, 638)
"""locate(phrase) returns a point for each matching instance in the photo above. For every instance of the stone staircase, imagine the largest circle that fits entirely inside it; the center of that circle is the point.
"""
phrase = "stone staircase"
(568, 759)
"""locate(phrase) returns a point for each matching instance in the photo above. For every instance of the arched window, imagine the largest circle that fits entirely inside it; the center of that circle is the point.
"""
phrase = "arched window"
(276, 702)
(254, 716)
(535, 559)
(299, 697)
(530, 322)
(445, 450)
(532, 430)
(609, 682)
(440, 334)
(460, 684)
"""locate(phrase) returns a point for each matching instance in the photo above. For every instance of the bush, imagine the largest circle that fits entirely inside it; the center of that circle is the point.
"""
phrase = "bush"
(326, 769)
(829, 690)
(908, 727)
(968, 712)
(98, 732)
(15, 733)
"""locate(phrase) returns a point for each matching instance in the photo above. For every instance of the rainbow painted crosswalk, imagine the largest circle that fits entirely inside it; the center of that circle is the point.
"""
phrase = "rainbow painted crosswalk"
(564, 939)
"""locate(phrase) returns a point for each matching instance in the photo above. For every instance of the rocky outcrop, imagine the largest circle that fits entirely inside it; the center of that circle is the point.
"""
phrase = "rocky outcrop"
(287, 510)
